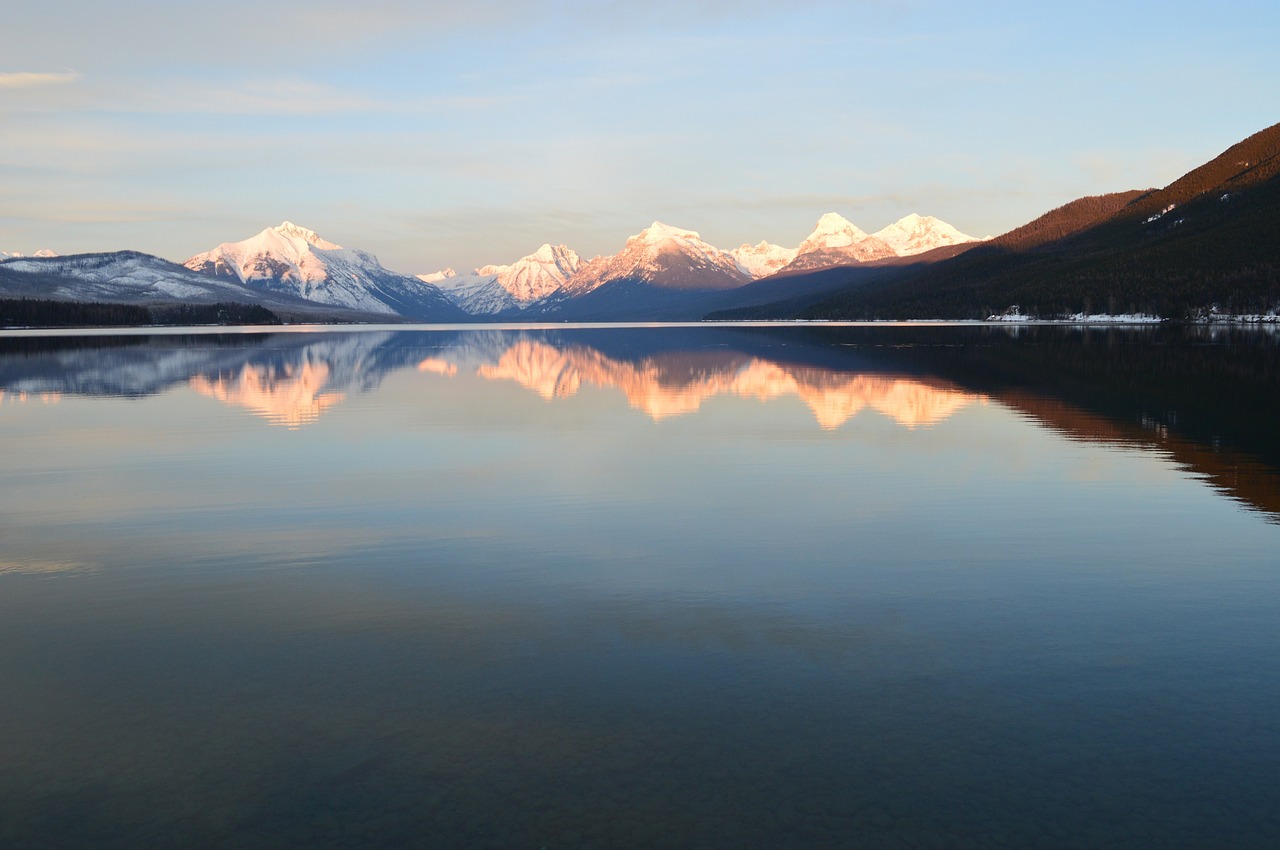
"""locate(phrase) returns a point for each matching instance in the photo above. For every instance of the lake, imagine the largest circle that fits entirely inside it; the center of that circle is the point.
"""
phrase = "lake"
(727, 586)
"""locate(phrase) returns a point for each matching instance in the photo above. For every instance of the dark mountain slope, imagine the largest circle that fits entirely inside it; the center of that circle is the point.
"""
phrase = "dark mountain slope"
(1209, 238)
(1066, 220)
(790, 291)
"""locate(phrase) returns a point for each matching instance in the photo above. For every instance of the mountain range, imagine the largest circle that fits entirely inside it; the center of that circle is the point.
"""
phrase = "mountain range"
(666, 272)
(661, 272)
(288, 270)
(1204, 243)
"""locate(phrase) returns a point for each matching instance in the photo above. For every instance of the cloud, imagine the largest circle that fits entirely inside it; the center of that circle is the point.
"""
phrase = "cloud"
(255, 97)
(35, 79)
(293, 34)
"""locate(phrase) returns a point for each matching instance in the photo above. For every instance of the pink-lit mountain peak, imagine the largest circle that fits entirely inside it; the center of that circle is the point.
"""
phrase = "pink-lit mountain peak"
(834, 231)
(662, 234)
(292, 259)
(915, 234)
(664, 256)
(494, 288)
(289, 230)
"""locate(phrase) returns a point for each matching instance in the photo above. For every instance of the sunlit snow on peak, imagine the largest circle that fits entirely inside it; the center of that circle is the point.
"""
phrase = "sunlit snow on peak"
(915, 234)
(762, 259)
(836, 239)
(295, 231)
(437, 277)
(659, 232)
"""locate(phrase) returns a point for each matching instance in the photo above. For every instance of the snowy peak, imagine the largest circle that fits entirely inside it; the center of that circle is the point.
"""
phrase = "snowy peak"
(437, 277)
(284, 253)
(295, 260)
(661, 234)
(493, 289)
(915, 234)
(836, 229)
(659, 238)
(761, 260)
(289, 230)
(837, 241)
(540, 273)
(835, 232)
(663, 256)
(548, 254)
(43, 253)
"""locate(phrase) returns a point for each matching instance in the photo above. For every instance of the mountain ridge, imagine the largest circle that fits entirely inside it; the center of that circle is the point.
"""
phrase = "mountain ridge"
(297, 261)
(494, 289)
(1205, 242)
(136, 278)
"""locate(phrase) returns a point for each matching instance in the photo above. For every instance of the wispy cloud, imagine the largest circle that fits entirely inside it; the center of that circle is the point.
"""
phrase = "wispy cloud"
(275, 97)
(263, 95)
(35, 79)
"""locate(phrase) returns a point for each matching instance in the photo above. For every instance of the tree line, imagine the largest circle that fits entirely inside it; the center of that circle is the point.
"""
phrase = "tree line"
(42, 313)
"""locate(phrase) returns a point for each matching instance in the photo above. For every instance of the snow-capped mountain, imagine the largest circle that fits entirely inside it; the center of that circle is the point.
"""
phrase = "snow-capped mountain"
(496, 289)
(757, 261)
(126, 277)
(437, 277)
(837, 241)
(661, 256)
(540, 273)
(915, 234)
(131, 277)
(14, 255)
(658, 274)
(478, 293)
(295, 260)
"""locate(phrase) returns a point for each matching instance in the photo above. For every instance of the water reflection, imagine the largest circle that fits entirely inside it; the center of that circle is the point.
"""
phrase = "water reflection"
(24, 398)
(292, 396)
(674, 385)
(1205, 397)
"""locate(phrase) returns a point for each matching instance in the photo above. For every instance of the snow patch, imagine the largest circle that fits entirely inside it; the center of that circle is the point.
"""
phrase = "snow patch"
(1014, 315)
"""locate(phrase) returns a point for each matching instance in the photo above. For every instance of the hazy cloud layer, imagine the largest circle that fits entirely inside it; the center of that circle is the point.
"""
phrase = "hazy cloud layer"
(280, 34)
(36, 79)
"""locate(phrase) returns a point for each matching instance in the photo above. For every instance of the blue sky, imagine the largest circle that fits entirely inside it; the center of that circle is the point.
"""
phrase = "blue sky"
(435, 134)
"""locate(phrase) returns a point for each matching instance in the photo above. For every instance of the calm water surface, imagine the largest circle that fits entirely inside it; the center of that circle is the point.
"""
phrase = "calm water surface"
(704, 587)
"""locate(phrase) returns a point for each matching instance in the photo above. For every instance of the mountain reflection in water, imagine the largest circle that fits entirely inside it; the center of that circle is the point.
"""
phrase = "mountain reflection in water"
(674, 385)
(292, 396)
(1205, 397)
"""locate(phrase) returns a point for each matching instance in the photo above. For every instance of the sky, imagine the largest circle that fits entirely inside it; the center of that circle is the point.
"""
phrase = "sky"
(442, 134)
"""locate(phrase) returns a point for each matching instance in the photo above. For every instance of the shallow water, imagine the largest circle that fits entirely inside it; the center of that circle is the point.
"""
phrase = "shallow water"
(722, 587)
